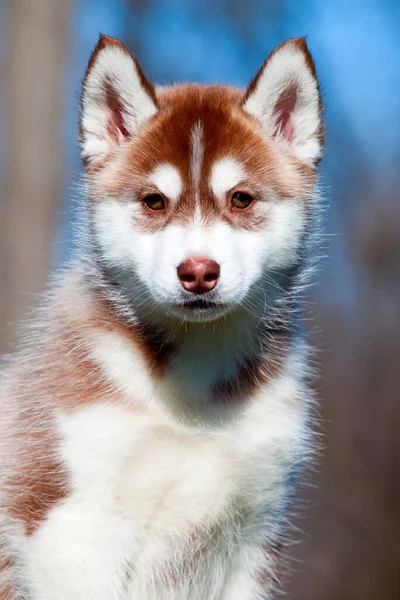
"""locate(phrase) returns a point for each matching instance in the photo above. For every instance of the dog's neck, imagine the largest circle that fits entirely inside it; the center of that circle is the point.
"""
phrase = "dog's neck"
(223, 361)
(226, 361)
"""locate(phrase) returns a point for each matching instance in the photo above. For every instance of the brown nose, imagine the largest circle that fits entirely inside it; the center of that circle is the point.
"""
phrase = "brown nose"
(198, 275)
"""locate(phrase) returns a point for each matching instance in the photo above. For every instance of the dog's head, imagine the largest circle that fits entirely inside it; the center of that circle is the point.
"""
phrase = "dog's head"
(199, 196)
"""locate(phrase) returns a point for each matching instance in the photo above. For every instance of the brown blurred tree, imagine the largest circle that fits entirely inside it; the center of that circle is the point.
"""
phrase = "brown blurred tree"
(351, 549)
(35, 54)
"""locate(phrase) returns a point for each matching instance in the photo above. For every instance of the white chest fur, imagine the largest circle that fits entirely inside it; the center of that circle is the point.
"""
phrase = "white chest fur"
(149, 493)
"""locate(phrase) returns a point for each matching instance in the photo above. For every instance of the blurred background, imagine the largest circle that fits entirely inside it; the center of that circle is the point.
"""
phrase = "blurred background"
(349, 532)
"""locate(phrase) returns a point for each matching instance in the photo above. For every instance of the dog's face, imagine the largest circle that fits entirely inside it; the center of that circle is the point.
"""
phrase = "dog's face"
(200, 196)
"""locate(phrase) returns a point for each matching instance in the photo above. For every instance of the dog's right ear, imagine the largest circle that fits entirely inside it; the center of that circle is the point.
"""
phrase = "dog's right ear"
(116, 100)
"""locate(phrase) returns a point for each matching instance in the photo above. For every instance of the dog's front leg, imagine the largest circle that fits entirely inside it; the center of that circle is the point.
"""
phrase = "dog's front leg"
(77, 554)
(252, 577)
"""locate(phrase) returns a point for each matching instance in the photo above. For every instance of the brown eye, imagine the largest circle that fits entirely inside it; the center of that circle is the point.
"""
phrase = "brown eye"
(154, 201)
(241, 200)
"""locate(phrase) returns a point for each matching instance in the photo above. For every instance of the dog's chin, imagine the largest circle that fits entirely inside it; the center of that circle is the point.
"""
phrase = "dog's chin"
(199, 310)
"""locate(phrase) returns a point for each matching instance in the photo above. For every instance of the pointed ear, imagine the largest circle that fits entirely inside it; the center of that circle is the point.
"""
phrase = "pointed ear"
(116, 100)
(285, 97)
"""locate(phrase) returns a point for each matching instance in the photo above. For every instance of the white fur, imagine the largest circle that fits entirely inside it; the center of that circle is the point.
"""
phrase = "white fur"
(226, 173)
(168, 180)
(196, 164)
(124, 367)
(116, 68)
(196, 161)
(113, 221)
(285, 67)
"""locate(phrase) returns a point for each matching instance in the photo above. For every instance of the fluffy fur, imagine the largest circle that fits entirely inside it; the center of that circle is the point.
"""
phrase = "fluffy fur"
(148, 436)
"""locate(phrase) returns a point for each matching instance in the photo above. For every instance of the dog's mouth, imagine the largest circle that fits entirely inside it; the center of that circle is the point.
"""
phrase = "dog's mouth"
(199, 304)
(199, 309)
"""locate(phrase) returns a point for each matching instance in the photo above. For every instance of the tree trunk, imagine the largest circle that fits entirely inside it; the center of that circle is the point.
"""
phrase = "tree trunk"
(35, 55)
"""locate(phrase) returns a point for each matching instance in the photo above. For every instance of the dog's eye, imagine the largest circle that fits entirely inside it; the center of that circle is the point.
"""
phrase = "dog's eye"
(154, 201)
(241, 200)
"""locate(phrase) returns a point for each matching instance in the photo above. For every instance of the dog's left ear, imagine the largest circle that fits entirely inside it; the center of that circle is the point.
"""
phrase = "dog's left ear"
(285, 97)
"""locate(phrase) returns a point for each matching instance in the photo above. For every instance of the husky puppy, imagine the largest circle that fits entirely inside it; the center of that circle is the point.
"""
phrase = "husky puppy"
(156, 411)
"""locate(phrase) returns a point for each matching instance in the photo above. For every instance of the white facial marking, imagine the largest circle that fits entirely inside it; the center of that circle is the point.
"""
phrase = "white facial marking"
(196, 163)
(168, 180)
(142, 258)
(197, 153)
(226, 173)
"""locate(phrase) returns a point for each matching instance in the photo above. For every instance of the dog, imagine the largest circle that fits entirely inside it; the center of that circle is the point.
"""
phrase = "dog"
(157, 409)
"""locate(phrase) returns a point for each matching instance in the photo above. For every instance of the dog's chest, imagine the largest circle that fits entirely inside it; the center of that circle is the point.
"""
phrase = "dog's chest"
(161, 475)
(158, 477)
(151, 499)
